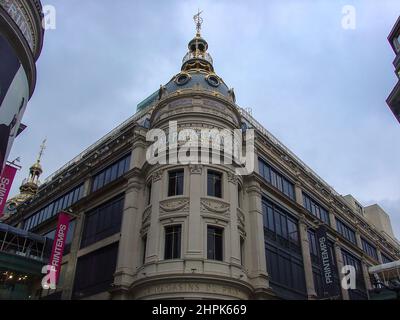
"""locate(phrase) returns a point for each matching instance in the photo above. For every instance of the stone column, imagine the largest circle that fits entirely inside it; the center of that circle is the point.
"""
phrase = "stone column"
(332, 220)
(153, 238)
(305, 250)
(130, 242)
(195, 231)
(379, 256)
(339, 262)
(298, 193)
(257, 267)
(358, 238)
(367, 279)
(234, 232)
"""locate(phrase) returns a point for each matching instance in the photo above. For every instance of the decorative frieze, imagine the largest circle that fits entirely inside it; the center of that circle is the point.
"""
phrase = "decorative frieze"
(174, 205)
(214, 206)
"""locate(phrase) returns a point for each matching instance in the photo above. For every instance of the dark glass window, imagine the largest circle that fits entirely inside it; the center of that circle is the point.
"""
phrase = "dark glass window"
(242, 251)
(215, 243)
(369, 249)
(280, 226)
(346, 231)
(102, 222)
(68, 240)
(111, 173)
(316, 265)
(95, 272)
(283, 253)
(360, 292)
(273, 177)
(175, 183)
(53, 208)
(172, 242)
(148, 191)
(214, 184)
(315, 208)
(386, 259)
(144, 247)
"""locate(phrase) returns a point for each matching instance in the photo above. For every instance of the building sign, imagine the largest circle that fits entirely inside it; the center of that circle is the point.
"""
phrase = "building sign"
(327, 266)
(59, 243)
(6, 180)
(14, 95)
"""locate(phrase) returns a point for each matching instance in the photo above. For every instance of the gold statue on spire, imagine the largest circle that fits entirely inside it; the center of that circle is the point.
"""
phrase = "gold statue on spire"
(199, 21)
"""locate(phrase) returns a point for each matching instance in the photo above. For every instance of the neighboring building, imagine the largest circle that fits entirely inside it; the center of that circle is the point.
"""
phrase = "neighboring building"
(394, 98)
(199, 231)
(21, 40)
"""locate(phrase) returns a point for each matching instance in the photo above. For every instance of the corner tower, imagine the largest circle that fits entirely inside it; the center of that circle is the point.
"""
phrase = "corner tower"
(192, 229)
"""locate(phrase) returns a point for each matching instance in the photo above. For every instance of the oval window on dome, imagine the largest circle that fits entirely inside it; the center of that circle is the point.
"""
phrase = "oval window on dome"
(182, 79)
(213, 80)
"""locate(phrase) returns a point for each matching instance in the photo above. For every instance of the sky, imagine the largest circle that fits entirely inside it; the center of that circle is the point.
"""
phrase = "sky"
(318, 87)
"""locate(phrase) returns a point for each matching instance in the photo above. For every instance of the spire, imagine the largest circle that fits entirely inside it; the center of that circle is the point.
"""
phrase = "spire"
(30, 185)
(198, 57)
(199, 22)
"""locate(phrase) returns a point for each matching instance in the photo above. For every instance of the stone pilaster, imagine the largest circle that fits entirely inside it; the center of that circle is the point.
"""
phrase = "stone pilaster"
(130, 242)
(339, 262)
(153, 238)
(305, 250)
(195, 248)
(255, 256)
(234, 232)
(298, 193)
(367, 279)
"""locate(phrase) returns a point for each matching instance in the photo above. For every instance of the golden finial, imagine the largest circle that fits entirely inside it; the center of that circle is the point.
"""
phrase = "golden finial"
(199, 21)
(42, 148)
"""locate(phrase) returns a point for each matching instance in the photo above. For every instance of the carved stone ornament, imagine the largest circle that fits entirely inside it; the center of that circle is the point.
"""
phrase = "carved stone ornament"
(174, 205)
(157, 175)
(232, 177)
(146, 215)
(196, 169)
(214, 206)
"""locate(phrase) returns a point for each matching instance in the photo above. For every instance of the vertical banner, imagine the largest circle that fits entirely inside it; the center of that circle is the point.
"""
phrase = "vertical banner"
(59, 243)
(327, 265)
(6, 180)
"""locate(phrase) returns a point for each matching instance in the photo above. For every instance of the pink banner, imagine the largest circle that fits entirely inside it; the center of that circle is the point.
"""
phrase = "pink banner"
(59, 243)
(6, 180)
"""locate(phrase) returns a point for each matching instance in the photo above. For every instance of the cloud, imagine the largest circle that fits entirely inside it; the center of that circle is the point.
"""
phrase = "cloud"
(317, 87)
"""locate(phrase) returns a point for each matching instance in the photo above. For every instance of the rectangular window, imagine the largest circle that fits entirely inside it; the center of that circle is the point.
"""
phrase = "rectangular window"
(242, 251)
(315, 208)
(346, 231)
(144, 247)
(386, 259)
(369, 249)
(280, 226)
(215, 243)
(360, 292)
(275, 178)
(240, 195)
(103, 221)
(111, 173)
(175, 183)
(52, 209)
(95, 272)
(214, 184)
(172, 248)
(148, 192)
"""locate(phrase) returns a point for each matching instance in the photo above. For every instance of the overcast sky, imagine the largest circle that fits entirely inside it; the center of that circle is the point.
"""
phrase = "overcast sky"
(319, 88)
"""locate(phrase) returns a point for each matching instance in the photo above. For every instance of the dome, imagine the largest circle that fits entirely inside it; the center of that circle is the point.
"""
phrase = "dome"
(197, 79)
